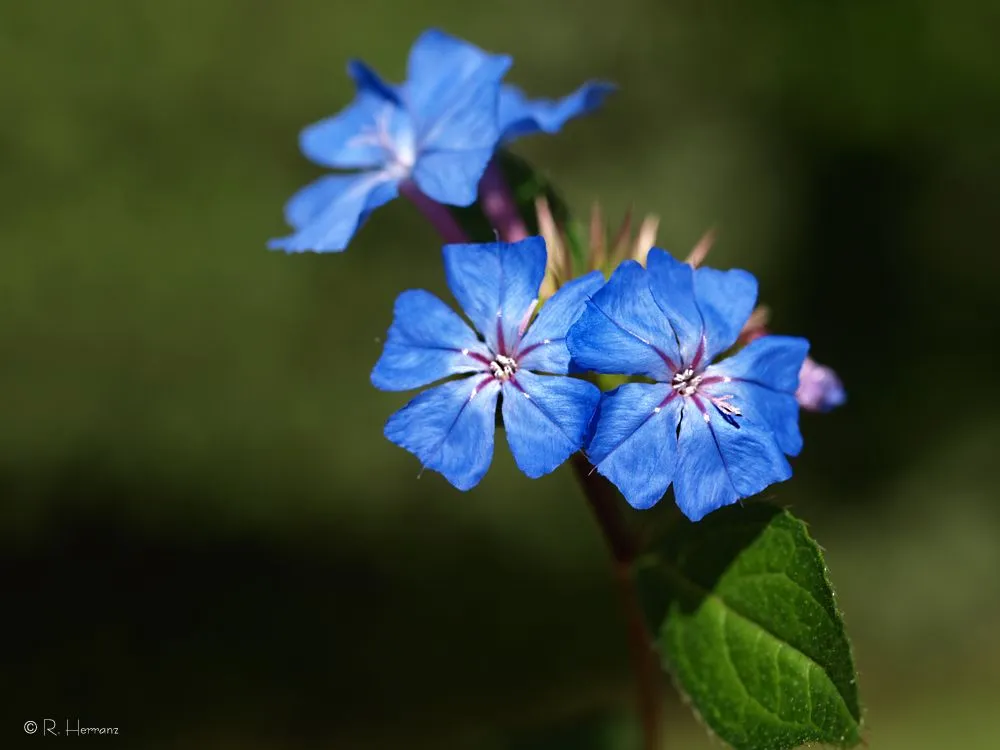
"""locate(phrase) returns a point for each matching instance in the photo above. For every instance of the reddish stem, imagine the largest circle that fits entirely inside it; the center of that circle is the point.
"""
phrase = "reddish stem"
(438, 215)
(499, 205)
(604, 502)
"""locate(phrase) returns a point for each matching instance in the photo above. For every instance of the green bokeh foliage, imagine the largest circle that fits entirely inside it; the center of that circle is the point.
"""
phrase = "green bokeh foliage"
(206, 536)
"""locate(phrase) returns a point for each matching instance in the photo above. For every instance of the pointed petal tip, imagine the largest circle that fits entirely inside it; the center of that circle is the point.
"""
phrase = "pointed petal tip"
(366, 79)
(697, 513)
(643, 502)
(433, 33)
(595, 92)
(462, 484)
(290, 246)
(356, 68)
(638, 495)
(379, 380)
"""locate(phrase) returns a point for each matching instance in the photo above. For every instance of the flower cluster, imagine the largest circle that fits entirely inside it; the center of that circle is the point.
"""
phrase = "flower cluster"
(542, 327)
(718, 431)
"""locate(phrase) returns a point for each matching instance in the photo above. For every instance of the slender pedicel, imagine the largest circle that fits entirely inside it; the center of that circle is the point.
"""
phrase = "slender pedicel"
(499, 205)
(437, 214)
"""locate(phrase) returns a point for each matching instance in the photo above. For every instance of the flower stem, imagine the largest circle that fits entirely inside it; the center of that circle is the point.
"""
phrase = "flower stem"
(499, 205)
(437, 214)
(603, 500)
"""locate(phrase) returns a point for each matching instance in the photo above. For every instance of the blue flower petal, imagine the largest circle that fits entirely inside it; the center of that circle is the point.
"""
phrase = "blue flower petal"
(327, 212)
(452, 90)
(367, 81)
(364, 135)
(450, 429)
(771, 361)
(546, 419)
(623, 331)
(721, 461)
(763, 377)
(672, 285)
(543, 347)
(635, 440)
(311, 201)
(726, 299)
(427, 341)
(495, 284)
(704, 305)
(520, 116)
(452, 177)
(778, 412)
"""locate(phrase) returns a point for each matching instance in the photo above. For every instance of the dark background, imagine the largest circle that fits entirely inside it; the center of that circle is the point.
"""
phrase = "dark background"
(206, 541)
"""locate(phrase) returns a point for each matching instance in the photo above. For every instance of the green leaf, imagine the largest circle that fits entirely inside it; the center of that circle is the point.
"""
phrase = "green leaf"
(745, 619)
(526, 184)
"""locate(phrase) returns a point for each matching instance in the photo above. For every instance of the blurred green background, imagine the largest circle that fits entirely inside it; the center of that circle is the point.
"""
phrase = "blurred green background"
(205, 539)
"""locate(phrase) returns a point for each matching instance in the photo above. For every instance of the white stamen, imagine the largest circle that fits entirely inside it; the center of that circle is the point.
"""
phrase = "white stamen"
(723, 404)
(399, 147)
(686, 383)
(527, 318)
(503, 368)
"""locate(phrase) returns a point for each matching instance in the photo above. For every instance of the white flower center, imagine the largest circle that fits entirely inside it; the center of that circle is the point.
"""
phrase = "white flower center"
(405, 151)
(503, 367)
(395, 139)
(686, 383)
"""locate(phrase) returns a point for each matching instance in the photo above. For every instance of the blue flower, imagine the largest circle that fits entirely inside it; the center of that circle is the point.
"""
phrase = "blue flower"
(450, 427)
(434, 134)
(439, 129)
(719, 432)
